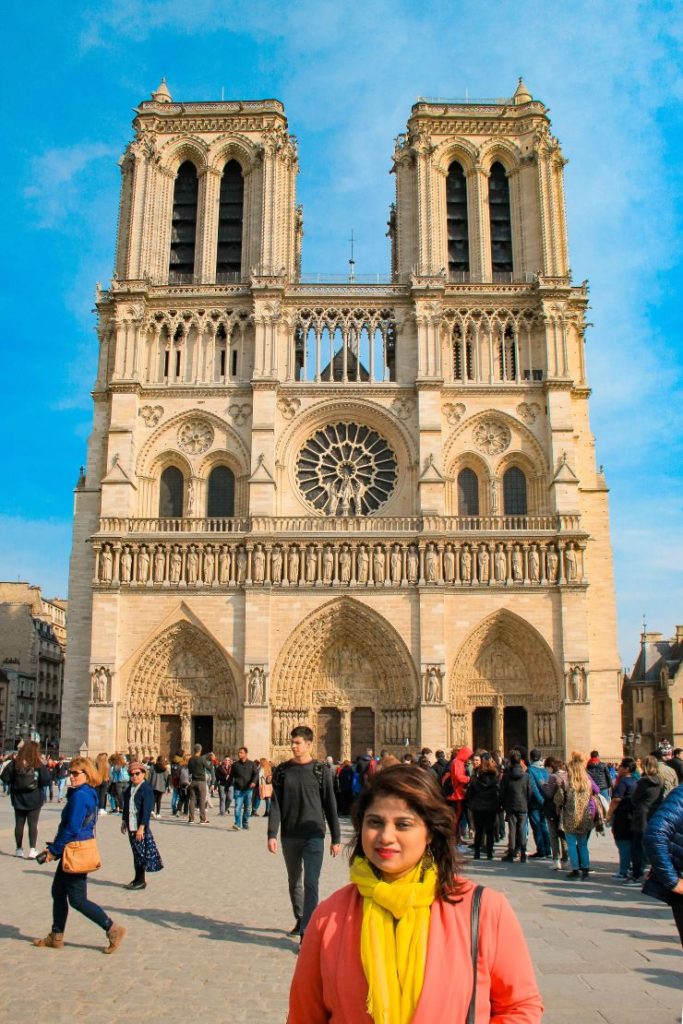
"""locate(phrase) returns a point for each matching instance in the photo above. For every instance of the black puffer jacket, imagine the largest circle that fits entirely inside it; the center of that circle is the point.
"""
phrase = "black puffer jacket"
(646, 798)
(483, 793)
(515, 790)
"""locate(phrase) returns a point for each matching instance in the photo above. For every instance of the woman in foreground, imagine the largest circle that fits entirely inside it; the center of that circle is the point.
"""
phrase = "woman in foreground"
(394, 946)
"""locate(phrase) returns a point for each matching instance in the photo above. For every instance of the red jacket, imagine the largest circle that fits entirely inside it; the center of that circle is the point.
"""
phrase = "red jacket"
(459, 777)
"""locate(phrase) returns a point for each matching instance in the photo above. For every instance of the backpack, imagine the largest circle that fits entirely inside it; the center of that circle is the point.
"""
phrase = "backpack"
(279, 778)
(25, 782)
(184, 776)
(447, 783)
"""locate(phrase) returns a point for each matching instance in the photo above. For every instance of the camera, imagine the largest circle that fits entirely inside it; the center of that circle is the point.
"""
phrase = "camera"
(42, 857)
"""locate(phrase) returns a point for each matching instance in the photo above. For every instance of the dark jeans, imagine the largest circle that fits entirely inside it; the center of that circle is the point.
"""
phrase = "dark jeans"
(303, 857)
(102, 791)
(539, 827)
(223, 799)
(484, 828)
(198, 796)
(157, 801)
(637, 854)
(517, 822)
(72, 890)
(20, 819)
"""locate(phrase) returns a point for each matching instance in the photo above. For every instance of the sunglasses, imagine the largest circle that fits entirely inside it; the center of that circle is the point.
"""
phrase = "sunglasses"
(137, 773)
(77, 773)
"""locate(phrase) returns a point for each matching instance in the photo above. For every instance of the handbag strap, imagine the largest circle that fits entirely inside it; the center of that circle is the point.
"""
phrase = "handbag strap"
(474, 943)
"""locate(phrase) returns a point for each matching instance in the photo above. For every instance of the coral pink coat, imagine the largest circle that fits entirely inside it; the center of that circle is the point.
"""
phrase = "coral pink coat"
(329, 983)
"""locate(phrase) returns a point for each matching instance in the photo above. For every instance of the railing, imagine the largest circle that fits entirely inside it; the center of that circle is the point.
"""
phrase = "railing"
(350, 279)
(497, 277)
(460, 101)
(183, 524)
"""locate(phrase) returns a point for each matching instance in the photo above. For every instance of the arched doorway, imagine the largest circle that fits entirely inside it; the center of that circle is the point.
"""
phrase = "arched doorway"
(346, 672)
(182, 691)
(505, 688)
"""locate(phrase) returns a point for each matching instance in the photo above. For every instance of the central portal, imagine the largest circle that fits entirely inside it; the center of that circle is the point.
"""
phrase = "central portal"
(328, 734)
(362, 731)
(202, 728)
(482, 729)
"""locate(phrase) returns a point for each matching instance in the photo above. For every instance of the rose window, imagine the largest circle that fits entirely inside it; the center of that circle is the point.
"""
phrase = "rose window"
(491, 437)
(195, 436)
(346, 470)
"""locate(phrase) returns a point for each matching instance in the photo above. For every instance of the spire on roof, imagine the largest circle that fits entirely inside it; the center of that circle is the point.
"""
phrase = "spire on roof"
(521, 94)
(162, 95)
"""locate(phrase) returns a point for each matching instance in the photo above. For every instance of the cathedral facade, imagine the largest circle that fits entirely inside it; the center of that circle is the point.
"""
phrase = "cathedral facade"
(370, 507)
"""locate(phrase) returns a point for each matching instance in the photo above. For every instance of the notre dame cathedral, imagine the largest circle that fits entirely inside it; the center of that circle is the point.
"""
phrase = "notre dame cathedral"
(371, 507)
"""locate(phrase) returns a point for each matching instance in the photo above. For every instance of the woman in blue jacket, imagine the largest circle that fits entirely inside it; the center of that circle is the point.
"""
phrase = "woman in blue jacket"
(664, 844)
(138, 804)
(77, 824)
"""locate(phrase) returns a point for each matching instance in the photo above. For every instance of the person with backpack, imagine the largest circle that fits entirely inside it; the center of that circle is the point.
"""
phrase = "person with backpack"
(620, 816)
(27, 778)
(579, 808)
(303, 800)
(515, 792)
(483, 801)
(459, 781)
(538, 776)
(599, 773)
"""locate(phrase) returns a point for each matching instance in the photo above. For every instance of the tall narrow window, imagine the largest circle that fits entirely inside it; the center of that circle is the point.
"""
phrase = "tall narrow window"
(468, 493)
(183, 225)
(456, 213)
(171, 493)
(229, 257)
(221, 500)
(514, 492)
(501, 225)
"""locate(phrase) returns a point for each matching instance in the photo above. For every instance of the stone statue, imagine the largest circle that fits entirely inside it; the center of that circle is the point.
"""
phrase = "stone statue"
(223, 565)
(534, 565)
(159, 565)
(328, 564)
(345, 565)
(276, 564)
(126, 564)
(362, 564)
(570, 562)
(576, 683)
(311, 564)
(433, 686)
(143, 565)
(494, 498)
(466, 565)
(241, 565)
(449, 564)
(379, 564)
(256, 686)
(293, 565)
(517, 565)
(501, 563)
(551, 559)
(192, 564)
(483, 564)
(105, 564)
(176, 563)
(209, 565)
(431, 564)
(413, 564)
(190, 498)
(259, 563)
(100, 679)
(396, 564)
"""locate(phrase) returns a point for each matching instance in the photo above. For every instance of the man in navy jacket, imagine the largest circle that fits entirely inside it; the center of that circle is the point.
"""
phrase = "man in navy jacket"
(664, 845)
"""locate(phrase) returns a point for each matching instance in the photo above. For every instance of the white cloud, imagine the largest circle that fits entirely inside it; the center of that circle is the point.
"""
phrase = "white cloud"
(53, 187)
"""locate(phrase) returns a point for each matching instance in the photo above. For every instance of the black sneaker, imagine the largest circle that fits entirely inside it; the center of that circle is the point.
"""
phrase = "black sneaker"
(585, 872)
(574, 874)
(296, 930)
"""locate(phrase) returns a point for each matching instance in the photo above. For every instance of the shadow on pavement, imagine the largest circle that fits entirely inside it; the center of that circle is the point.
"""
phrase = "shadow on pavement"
(207, 928)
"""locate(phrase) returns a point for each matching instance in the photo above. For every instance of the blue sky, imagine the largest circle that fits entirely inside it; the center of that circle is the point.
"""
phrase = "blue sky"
(612, 75)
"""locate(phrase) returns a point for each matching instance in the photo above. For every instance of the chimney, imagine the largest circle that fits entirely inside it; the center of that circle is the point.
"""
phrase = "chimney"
(679, 634)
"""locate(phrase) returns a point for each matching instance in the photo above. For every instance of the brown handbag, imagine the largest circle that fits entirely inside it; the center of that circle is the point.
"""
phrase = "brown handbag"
(81, 857)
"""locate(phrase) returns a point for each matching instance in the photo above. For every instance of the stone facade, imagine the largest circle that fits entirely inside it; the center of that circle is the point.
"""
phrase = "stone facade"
(371, 507)
(652, 708)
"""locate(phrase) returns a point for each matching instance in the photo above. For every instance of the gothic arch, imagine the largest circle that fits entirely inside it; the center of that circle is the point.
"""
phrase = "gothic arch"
(462, 151)
(506, 153)
(232, 147)
(225, 438)
(345, 653)
(522, 441)
(177, 151)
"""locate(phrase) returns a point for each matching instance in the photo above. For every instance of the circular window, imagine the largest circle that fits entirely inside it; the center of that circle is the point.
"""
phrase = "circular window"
(346, 470)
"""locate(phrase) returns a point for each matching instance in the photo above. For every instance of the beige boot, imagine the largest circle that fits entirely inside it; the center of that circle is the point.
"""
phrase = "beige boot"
(55, 940)
(116, 935)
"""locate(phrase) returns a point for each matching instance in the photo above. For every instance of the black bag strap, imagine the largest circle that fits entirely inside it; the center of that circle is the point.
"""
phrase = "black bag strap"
(474, 942)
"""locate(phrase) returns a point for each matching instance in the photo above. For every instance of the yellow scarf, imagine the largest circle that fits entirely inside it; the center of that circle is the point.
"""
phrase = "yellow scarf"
(393, 939)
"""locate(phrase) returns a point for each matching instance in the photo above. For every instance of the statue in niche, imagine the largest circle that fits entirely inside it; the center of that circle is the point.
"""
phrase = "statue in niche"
(192, 564)
(576, 683)
(176, 564)
(396, 564)
(552, 562)
(431, 564)
(241, 565)
(517, 565)
(190, 498)
(448, 564)
(276, 564)
(501, 563)
(378, 564)
(494, 498)
(106, 564)
(257, 690)
(100, 684)
(433, 685)
(570, 562)
(534, 565)
(126, 564)
(483, 564)
(413, 564)
(159, 565)
(259, 559)
(362, 565)
(143, 565)
(345, 565)
(311, 564)
(293, 565)
(466, 565)
(223, 565)
(209, 565)
(328, 564)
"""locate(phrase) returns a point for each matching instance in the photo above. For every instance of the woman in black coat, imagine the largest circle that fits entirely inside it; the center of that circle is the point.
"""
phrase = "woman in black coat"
(138, 803)
(645, 800)
(483, 800)
(26, 777)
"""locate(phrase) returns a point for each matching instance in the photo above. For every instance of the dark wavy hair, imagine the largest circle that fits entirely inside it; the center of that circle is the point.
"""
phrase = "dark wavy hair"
(422, 793)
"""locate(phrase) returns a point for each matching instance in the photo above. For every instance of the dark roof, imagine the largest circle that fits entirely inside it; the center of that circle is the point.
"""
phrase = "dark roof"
(653, 656)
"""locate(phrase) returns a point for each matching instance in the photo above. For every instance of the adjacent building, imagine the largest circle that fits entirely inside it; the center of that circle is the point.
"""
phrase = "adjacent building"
(652, 709)
(373, 507)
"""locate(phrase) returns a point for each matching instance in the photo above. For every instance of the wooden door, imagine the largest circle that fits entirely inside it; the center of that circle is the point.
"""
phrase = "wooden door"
(203, 732)
(169, 736)
(328, 734)
(515, 728)
(482, 729)
(362, 731)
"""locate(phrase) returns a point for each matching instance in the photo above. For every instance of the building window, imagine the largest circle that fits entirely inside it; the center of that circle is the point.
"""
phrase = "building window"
(183, 225)
(501, 225)
(221, 499)
(456, 214)
(171, 493)
(468, 493)
(514, 492)
(230, 214)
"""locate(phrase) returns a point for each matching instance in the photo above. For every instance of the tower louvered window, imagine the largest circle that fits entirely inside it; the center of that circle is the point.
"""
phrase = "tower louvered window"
(183, 225)
(468, 493)
(456, 212)
(230, 216)
(501, 225)
(221, 498)
(514, 492)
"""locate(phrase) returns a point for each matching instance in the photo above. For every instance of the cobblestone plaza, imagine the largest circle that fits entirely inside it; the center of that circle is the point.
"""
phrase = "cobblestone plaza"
(208, 935)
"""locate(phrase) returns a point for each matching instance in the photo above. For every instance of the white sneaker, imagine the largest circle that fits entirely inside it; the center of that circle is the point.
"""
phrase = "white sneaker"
(557, 864)
(103, 811)
(19, 853)
(32, 854)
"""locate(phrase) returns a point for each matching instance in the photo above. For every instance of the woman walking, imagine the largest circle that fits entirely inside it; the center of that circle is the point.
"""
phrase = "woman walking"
(138, 801)
(265, 784)
(577, 803)
(102, 766)
(645, 799)
(557, 776)
(483, 801)
(26, 776)
(68, 889)
(395, 944)
(620, 815)
(159, 778)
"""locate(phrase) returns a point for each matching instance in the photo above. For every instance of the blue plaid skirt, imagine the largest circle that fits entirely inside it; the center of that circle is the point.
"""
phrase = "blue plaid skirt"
(145, 852)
